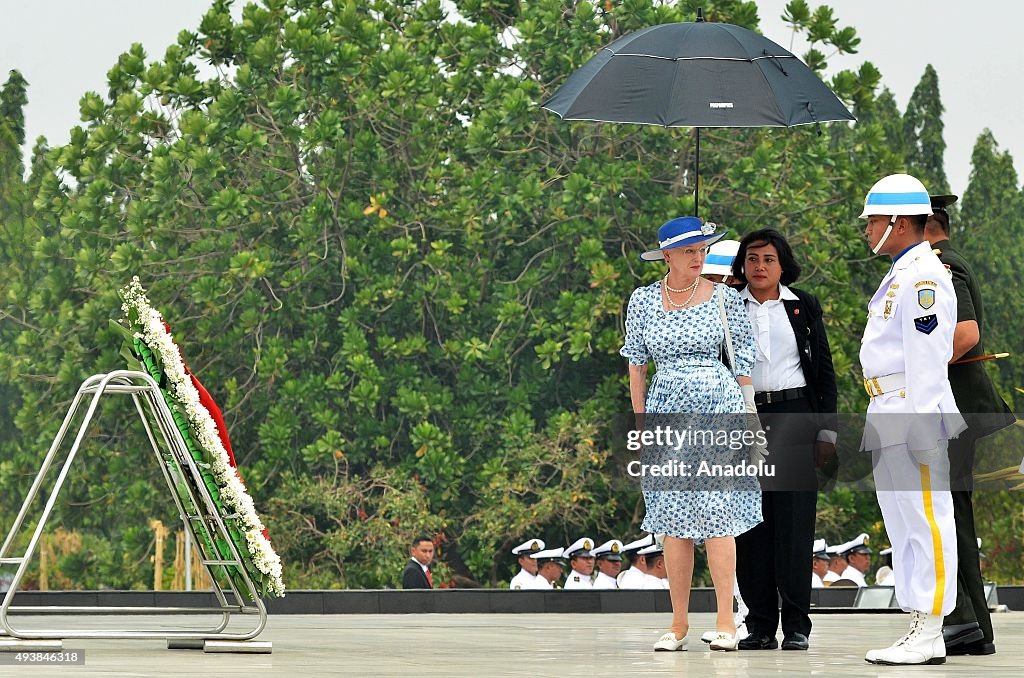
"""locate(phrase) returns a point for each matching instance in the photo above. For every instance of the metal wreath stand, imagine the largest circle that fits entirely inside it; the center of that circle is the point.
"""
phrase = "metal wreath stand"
(179, 470)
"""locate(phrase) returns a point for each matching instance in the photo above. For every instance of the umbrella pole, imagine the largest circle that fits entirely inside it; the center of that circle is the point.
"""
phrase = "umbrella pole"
(696, 182)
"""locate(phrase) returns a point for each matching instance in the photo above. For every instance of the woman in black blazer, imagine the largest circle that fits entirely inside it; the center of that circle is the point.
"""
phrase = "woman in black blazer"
(795, 394)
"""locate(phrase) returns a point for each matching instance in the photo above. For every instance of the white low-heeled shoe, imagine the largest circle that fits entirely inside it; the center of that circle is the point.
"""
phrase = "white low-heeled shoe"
(723, 641)
(708, 636)
(669, 643)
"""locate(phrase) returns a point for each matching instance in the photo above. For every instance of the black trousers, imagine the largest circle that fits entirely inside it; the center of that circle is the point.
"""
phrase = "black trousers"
(773, 560)
(971, 605)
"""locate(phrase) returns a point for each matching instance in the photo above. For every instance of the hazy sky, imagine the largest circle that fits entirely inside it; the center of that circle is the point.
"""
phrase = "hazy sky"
(65, 48)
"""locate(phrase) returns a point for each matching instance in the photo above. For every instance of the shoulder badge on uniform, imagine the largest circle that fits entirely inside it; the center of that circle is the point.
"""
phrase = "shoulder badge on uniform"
(926, 324)
(926, 298)
(923, 283)
(576, 578)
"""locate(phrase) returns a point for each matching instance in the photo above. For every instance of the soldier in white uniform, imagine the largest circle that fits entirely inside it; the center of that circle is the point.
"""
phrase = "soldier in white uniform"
(884, 576)
(819, 563)
(581, 564)
(837, 564)
(527, 565)
(656, 577)
(549, 569)
(633, 578)
(907, 344)
(609, 563)
(858, 555)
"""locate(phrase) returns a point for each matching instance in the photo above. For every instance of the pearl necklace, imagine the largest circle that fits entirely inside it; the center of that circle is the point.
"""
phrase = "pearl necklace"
(688, 299)
(685, 289)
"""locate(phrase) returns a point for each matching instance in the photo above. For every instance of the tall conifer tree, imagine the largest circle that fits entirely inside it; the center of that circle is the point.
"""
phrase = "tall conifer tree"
(922, 133)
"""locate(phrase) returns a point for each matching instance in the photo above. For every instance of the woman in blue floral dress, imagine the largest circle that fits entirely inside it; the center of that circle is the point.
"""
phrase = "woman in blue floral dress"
(677, 323)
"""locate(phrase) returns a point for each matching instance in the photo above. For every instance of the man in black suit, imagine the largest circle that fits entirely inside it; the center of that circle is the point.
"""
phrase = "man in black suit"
(795, 394)
(417, 572)
(968, 629)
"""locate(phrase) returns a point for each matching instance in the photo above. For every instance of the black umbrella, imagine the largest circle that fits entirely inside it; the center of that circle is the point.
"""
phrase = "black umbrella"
(697, 74)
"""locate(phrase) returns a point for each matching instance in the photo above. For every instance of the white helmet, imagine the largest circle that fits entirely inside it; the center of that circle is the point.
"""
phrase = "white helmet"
(720, 257)
(897, 195)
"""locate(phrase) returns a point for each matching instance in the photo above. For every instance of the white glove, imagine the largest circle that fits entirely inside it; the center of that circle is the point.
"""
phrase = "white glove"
(757, 450)
(748, 398)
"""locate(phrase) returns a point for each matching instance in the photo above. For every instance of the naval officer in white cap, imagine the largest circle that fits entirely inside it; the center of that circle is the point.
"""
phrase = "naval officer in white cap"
(656, 577)
(527, 565)
(884, 576)
(549, 569)
(633, 578)
(836, 566)
(581, 564)
(609, 564)
(858, 558)
(907, 344)
(819, 563)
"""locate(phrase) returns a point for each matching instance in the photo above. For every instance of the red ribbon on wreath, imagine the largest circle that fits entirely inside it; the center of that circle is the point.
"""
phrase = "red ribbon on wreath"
(207, 401)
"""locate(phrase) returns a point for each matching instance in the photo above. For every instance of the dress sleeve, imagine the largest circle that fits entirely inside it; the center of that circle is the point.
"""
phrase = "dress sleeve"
(635, 350)
(743, 346)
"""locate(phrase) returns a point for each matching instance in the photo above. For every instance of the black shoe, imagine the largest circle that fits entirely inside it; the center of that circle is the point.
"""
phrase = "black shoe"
(759, 641)
(955, 635)
(971, 648)
(795, 641)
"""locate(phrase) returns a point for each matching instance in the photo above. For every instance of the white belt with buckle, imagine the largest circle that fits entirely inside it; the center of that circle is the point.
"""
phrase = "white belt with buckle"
(876, 386)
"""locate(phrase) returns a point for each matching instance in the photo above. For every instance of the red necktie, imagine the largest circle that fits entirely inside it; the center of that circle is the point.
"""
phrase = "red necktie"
(430, 580)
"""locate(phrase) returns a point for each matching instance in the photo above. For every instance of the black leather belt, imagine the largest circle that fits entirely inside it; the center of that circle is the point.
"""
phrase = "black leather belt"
(769, 397)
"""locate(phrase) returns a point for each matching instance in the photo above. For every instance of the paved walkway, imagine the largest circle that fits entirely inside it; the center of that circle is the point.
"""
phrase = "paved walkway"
(481, 646)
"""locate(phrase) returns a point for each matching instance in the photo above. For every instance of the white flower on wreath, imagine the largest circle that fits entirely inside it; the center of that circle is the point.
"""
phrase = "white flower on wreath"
(203, 428)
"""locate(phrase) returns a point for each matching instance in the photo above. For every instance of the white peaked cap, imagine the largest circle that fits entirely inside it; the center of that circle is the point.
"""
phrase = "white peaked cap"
(612, 547)
(650, 550)
(642, 542)
(527, 546)
(580, 547)
(546, 555)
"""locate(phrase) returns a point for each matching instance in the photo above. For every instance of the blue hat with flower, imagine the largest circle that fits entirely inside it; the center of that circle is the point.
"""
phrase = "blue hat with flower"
(680, 232)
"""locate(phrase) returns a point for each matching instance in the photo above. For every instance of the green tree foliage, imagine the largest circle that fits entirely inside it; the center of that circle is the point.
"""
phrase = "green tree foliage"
(16, 233)
(989, 228)
(403, 281)
(922, 130)
(13, 97)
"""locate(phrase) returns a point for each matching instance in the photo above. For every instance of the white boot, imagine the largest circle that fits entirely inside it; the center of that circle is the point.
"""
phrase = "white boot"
(922, 644)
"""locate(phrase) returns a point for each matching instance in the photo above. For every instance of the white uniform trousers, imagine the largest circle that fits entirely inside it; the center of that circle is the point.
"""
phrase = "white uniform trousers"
(917, 508)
